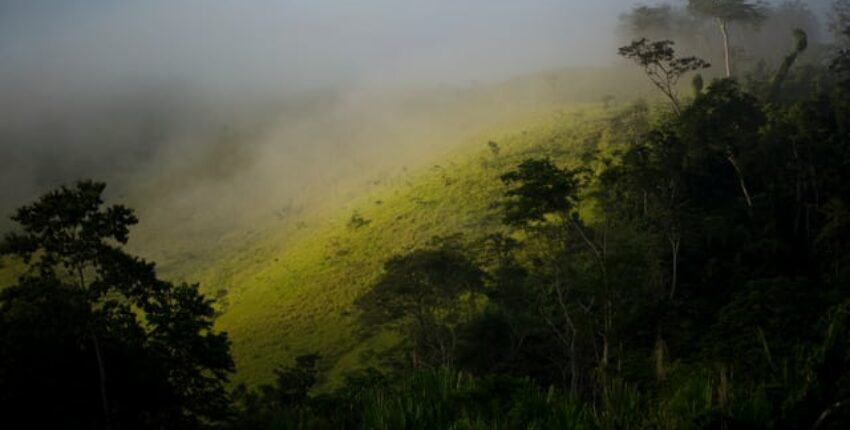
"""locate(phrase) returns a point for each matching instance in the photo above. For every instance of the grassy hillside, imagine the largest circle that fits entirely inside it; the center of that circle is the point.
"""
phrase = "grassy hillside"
(286, 269)
(201, 204)
(293, 292)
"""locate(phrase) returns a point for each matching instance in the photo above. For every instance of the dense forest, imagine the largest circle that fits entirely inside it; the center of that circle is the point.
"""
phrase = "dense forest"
(691, 272)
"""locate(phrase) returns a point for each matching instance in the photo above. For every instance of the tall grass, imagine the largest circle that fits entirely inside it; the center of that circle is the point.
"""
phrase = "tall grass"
(694, 398)
(446, 399)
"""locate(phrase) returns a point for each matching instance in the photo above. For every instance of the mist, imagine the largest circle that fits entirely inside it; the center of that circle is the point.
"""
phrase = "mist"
(247, 107)
(292, 45)
(219, 113)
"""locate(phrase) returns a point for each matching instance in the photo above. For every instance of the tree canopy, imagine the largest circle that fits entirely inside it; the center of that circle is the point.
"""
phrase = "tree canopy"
(92, 324)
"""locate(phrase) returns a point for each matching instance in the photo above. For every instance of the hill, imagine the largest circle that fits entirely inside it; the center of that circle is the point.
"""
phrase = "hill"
(293, 293)
(286, 254)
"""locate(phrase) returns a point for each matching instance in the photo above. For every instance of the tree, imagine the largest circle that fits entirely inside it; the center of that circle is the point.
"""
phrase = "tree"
(661, 65)
(660, 21)
(725, 12)
(287, 403)
(840, 26)
(543, 197)
(839, 23)
(724, 122)
(540, 188)
(420, 294)
(146, 351)
(801, 42)
(643, 20)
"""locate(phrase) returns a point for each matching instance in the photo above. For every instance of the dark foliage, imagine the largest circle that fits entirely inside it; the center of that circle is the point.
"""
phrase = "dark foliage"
(92, 338)
(697, 275)
(424, 294)
(662, 66)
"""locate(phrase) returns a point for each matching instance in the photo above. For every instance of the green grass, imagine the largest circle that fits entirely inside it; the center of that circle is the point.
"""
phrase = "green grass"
(293, 292)
(290, 284)
(290, 288)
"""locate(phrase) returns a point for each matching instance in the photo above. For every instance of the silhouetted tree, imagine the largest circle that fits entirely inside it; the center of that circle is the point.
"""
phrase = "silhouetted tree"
(725, 12)
(840, 20)
(422, 293)
(661, 65)
(128, 349)
(801, 42)
(286, 403)
(543, 198)
(643, 20)
(724, 121)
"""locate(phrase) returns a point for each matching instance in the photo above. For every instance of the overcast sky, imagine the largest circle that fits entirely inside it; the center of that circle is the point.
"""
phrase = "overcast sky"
(299, 43)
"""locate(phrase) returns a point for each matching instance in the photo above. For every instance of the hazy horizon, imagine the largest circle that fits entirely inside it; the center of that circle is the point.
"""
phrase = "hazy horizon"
(94, 87)
(295, 45)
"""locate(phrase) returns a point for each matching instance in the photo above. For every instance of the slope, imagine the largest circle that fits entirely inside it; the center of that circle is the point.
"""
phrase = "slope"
(286, 257)
(294, 294)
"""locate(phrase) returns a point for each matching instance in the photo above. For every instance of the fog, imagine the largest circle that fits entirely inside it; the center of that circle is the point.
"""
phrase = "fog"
(297, 44)
(205, 113)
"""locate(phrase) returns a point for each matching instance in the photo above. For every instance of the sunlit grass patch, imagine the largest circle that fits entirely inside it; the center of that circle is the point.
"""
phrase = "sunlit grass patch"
(293, 295)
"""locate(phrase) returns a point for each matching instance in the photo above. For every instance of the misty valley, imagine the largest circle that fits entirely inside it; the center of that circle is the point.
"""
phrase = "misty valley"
(548, 214)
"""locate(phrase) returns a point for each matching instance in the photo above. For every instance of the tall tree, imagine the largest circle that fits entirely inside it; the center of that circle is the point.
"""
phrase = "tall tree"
(726, 12)
(419, 293)
(146, 347)
(839, 23)
(661, 65)
(543, 199)
(645, 21)
(801, 42)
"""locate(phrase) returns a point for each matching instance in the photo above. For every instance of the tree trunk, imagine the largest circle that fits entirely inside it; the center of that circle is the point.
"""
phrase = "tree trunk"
(726, 49)
(569, 335)
(675, 242)
(573, 368)
(659, 354)
(104, 400)
(101, 367)
(741, 181)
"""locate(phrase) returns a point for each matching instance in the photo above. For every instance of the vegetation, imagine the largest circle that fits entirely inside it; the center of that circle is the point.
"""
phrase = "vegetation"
(637, 267)
(726, 12)
(294, 293)
(660, 64)
(688, 274)
(91, 338)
